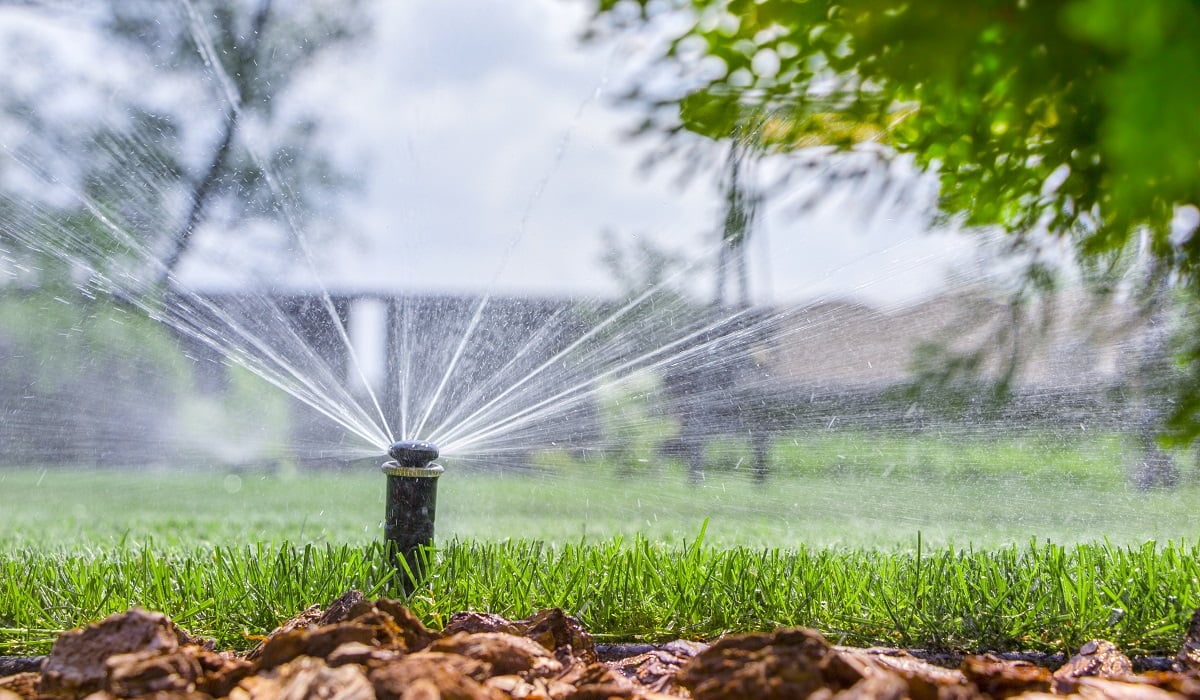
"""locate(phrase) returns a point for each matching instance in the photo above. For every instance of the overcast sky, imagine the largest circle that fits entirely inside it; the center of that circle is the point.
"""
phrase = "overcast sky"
(490, 149)
(495, 151)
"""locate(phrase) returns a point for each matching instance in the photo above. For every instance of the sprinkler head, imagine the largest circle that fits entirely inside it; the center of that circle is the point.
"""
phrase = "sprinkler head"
(415, 454)
(411, 501)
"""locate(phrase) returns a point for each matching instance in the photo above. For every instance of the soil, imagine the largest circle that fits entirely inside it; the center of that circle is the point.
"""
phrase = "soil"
(360, 649)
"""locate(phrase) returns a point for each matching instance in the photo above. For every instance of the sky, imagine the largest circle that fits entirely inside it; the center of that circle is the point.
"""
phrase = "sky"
(492, 156)
(497, 155)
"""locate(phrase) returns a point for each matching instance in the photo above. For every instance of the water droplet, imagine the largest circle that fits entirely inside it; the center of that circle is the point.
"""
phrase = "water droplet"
(1115, 616)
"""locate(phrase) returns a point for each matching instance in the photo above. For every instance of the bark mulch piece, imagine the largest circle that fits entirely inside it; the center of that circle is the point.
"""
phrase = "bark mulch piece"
(1189, 655)
(357, 649)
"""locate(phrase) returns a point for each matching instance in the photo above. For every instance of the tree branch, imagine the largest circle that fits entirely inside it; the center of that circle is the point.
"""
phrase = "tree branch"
(203, 189)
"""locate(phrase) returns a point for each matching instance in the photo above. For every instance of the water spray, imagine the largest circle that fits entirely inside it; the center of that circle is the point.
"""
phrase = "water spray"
(411, 501)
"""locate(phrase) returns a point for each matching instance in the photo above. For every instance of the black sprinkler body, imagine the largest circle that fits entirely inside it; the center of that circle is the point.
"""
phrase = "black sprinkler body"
(411, 503)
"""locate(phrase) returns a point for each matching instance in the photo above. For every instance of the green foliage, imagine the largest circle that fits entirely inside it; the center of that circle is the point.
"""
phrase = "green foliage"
(247, 424)
(80, 378)
(1074, 117)
(631, 422)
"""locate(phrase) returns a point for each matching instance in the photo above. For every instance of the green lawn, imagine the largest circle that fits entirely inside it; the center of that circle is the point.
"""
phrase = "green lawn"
(1032, 596)
(1012, 543)
(827, 491)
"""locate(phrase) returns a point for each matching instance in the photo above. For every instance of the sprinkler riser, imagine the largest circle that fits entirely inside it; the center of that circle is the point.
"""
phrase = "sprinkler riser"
(409, 514)
(411, 506)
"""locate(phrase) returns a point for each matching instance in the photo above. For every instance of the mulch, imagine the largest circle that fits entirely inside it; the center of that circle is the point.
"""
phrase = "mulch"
(360, 649)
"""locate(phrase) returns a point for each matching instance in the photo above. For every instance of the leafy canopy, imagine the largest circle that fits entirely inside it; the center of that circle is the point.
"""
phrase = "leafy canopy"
(1076, 117)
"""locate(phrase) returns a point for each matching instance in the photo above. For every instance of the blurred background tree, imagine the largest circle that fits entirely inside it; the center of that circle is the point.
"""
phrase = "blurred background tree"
(1067, 119)
(184, 126)
(134, 130)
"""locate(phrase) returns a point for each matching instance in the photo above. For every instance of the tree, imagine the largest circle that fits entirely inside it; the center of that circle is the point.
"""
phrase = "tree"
(159, 147)
(741, 205)
(1073, 118)
(128, 127)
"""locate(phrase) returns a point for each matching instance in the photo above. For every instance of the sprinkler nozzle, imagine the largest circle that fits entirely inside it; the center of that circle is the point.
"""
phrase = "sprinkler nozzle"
(413, 453)
(411, 501)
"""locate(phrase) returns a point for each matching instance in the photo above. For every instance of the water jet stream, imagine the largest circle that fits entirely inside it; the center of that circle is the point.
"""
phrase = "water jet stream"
(555, 393)
(483, 413)
(243, 347)
(283, 198)
(538, 340)
(450, 367)
(455, 442)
